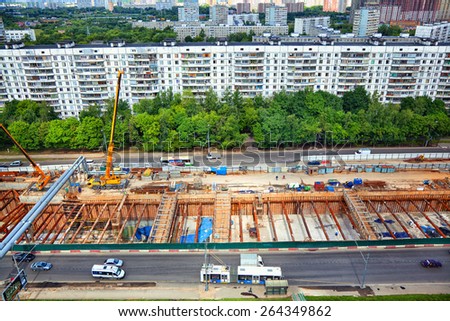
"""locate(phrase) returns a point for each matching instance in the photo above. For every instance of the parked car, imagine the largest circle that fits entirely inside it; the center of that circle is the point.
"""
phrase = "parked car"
(16, 163)
(41, 266)
(113, 261)
(430, 263)
(363, 151)
(21, 256)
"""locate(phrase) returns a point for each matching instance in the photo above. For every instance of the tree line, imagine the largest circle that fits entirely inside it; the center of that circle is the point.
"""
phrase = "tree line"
(171, 122)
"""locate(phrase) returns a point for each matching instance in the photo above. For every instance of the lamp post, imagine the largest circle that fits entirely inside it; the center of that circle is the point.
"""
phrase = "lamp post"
(207, 138)
(366, 263)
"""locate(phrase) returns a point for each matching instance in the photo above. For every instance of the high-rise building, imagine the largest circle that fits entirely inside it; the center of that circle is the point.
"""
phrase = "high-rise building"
(334, 5)
(358, 4)
(2, 31)
(243, 7)
(439, 31)
(189, 12)
(444, 11)
(276, 15)
(366, 21)
(294, 5)
(218, 15)
(262, 6)
(409, 13)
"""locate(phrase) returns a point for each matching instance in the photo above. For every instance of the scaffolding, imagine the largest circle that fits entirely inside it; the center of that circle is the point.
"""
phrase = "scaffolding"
(162, 225)
(222, 218)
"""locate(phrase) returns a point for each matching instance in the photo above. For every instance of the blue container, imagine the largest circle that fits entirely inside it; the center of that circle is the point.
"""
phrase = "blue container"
(369, 169)
(221, 170)
(329, 188)
(322, 171)
(360, 169)
(330, 170)
(378, 169)
(357, 181)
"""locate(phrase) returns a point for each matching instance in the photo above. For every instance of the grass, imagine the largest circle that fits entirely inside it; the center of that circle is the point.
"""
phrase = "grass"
(401, 297)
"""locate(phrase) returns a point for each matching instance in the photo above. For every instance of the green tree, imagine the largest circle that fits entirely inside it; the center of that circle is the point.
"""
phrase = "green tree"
(356, 99)
(89, 133)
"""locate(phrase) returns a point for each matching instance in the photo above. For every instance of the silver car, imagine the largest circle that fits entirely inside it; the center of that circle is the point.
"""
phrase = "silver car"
(41, 266)
(113, 261)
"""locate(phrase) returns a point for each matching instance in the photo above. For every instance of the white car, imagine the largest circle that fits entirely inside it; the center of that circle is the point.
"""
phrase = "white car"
(113, 261)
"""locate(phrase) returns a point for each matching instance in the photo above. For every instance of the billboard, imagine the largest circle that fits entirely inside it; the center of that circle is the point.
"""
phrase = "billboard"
(13, 288)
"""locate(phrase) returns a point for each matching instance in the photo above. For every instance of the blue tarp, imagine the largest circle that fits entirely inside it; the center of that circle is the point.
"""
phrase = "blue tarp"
(401, 235)
(358, 181)
(190, 238)
(205, 229)
(143, 231)
(385, 221)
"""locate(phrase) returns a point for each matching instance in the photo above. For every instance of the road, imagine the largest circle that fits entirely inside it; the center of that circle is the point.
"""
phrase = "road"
(229, 158)
(399, 266)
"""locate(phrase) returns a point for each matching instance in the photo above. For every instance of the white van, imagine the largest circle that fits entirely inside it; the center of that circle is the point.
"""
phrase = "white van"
(363, 151)
(107, 272)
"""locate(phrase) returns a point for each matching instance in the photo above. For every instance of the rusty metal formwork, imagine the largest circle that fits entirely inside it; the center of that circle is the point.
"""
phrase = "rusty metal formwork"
(236, 217)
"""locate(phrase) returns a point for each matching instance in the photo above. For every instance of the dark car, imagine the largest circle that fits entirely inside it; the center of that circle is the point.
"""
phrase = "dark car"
(21, 256)
(430, 263)
(41, 266)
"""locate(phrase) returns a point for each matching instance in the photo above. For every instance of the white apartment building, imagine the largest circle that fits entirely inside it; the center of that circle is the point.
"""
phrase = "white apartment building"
(366, 21)
(17, 35)
(72, 77)
(439, 31)
(304, 25)
(276, 15)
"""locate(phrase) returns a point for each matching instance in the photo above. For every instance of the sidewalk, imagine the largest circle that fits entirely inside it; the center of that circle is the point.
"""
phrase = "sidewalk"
(197, 291)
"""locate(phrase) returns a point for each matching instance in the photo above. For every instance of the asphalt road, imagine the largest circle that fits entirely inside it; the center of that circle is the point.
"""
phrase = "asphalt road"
(233, 157)
(399, 266)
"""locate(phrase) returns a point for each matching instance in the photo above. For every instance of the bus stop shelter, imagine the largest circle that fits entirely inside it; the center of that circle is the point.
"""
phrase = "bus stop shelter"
(276, 287)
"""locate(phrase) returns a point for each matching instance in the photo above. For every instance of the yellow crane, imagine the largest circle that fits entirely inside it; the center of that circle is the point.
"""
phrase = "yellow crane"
(43, 178)
(110, 180)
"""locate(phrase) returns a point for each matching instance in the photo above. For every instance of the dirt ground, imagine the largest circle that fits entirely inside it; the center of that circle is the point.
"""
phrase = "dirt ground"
(261, 181)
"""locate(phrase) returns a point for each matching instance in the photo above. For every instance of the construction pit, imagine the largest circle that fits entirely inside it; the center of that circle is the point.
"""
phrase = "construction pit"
(251, 207)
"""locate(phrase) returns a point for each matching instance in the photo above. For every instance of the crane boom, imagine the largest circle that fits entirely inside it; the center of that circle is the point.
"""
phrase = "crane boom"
(43, 179)
(109, 157)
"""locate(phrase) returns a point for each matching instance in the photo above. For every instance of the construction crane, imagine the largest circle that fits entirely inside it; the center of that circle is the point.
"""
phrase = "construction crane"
(43, 178)
(110, 180)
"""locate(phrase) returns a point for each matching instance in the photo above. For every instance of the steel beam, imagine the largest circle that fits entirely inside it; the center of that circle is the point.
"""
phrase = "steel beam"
(427, 218)
(124, 222)
(99, 215)
(382, 220)
(272, 223)
(255, 220)
(320, 221)
(299, 210)
(335, 220)
(441, 217)
(197, 226)
(398, 220)
(139, 217)
(283, 208)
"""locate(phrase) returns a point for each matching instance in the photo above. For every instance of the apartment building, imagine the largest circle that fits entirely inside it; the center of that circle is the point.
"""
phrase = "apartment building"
(17, 35)
(366, 21)
(71, 77)
(439, 31)
(218, 15)
(304, 25)
(189, 11)
(276, 16)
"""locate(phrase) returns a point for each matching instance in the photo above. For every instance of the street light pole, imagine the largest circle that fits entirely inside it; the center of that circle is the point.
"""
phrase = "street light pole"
(209, 152)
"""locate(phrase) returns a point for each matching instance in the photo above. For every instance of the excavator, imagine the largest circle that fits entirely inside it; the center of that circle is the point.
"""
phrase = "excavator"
(43, 178)
(110, 180)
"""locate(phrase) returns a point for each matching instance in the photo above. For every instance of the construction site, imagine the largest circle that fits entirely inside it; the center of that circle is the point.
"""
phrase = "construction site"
(189, 210)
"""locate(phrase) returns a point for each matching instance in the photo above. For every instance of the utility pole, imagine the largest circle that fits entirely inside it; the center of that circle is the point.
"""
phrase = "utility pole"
(209, 149)
(206, 266)
(366, 263)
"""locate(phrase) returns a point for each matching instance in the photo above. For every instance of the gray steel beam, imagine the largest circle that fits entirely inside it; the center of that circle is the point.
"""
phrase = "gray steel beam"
(25, 223)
